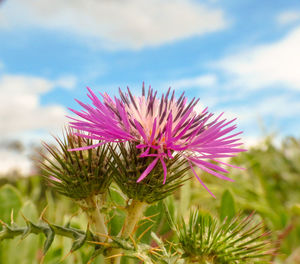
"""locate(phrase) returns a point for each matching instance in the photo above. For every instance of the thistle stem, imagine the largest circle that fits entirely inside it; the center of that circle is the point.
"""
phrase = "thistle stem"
(134, 213)
(96, 218)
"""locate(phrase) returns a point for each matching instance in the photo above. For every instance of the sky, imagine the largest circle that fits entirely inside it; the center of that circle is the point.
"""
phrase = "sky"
(238, 57)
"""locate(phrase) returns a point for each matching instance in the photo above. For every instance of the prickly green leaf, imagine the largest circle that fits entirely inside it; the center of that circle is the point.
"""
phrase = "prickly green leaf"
(10, 199)
(29, 211)
(154, 214)
(97, 252)
(50, 234)
(227, 208)
(168, 215)
(116, 215)
(78, 242)
(123, 243)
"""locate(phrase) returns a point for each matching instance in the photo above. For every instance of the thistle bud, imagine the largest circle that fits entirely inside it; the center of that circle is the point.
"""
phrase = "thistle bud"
(128, 166)
(203, 239)
(77, 174)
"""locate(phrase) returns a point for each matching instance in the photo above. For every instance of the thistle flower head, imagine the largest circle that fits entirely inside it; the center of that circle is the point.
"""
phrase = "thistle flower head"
(160, 128)
(80, 174)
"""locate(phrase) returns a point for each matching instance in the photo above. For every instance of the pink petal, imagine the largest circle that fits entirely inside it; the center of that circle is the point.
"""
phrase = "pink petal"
(140, 130)
(164, 168)
(198, 178)
(153, 131)
(148, 170)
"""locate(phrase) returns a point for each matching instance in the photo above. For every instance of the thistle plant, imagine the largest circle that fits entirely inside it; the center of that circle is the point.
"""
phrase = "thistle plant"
(144, 148)
(82, 176)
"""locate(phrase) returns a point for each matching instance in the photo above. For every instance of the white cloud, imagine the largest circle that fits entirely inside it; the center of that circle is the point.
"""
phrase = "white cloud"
(130, 24)
(288, 17)
(198, 81)
(66, 81)
(264, 116)
(20, 109)
(11, 161)
(24, 118)
(277, 107)
(264, 65)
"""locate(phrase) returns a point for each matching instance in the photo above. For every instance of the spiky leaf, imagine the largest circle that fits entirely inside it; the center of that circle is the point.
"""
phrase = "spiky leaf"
(227, 208)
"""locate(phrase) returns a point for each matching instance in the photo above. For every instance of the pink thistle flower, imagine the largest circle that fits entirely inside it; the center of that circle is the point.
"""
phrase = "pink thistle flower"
(160, 127)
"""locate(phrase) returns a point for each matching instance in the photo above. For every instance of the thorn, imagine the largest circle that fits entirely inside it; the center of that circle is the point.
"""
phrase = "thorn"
(43, 212)
(108, 220)
(154, 252)
(103, 235)
(145, 231)
(67, 255)
(140, 258)
(149, 217)
(12, 217)
(135, 228)
(133, 242)
(45, 220)
(155, 249)
(21, 239)
(42, 259)
(3, 223)
(99, 243)
(90, 261)
(115, 256)
(24, 217)
(139, 225)
(71, 217)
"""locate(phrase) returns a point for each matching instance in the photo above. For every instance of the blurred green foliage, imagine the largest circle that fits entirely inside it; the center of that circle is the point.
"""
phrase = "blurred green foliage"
(269, 185)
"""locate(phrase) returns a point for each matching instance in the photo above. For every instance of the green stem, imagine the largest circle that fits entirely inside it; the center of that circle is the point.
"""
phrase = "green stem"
(96, 218)
(134, 213)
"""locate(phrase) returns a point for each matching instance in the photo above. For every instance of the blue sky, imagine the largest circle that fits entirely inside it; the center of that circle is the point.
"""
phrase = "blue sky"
(240, 57)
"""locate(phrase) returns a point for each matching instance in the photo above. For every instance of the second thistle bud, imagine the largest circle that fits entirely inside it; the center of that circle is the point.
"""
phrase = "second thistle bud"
(128, 167)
